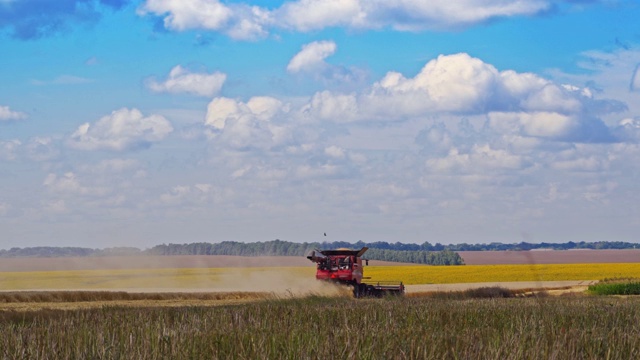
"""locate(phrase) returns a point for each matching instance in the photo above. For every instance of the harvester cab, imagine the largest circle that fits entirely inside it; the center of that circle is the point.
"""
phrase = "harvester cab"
(344, 266)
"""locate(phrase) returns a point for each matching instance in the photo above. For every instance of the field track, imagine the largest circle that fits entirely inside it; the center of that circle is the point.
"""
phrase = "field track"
(512, 285)
(35, 300)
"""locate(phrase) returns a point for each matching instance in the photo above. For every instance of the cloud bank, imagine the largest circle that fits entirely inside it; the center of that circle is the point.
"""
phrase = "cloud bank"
(459, 84)
(245, 21)
(458, 116)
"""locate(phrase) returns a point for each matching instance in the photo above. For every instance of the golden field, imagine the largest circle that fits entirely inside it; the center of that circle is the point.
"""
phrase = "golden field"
(501, 273)
(268, 278)
(183, 278)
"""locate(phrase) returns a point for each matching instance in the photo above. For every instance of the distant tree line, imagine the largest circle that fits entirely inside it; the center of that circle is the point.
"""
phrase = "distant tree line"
(46, 251)
(378, 251)
(286, 248)
(425, 253)
(444, 257)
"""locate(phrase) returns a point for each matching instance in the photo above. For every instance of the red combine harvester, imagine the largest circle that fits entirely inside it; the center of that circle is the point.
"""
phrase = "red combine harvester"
(344, 266)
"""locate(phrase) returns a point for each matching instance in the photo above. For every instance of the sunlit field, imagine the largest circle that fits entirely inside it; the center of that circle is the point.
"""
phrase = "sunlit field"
(264, 279)
(153, 278)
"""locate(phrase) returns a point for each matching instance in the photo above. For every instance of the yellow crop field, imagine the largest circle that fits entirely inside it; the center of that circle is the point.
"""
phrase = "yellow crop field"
(500, 273)
(264, 279)
(198, 278)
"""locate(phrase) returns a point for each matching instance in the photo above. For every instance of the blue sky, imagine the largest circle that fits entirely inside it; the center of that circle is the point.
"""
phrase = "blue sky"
(139, 122)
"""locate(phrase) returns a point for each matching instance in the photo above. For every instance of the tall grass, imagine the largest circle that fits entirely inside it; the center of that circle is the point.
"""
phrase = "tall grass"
(335, 328)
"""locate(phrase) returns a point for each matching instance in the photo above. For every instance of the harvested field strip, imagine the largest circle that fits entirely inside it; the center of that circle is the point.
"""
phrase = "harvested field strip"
(145, 279)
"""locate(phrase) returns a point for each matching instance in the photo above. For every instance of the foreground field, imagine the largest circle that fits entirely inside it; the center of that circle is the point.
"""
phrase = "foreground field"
(336, 328)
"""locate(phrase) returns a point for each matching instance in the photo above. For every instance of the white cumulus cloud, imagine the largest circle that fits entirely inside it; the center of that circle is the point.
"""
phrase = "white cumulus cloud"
(403, 15)
(464, 84)
(537, 124)
(123, 129)
(246, 125)
(239, 21)
(246, 21)
(459, 84)
(310, 60)
(188, 14)
(6, 114)
(306, 15)
(326, 105)
(181, 80)
(311, 56)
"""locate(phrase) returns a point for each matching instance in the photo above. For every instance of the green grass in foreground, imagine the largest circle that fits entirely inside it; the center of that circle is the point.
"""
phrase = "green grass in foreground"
(335, 328)
(629, 286)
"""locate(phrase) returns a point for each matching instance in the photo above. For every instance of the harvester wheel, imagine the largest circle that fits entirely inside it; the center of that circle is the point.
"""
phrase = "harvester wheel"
(371, 291)
(359, 290)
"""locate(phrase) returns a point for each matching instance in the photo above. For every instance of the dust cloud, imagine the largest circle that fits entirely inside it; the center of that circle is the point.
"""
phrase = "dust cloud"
(280, 276)
(282, 282)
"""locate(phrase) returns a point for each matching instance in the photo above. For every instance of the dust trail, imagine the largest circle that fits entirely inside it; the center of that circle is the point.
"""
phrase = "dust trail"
(279, 281)
(283, 282)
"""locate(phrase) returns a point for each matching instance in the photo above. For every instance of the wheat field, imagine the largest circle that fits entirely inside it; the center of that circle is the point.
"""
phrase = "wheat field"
(266, 279)
(502, 273)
